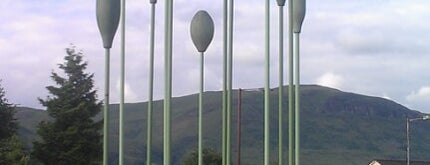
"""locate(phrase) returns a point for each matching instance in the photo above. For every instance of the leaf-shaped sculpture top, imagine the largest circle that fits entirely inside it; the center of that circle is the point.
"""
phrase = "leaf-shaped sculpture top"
(202, 30)
(108, 13)
(299, 11)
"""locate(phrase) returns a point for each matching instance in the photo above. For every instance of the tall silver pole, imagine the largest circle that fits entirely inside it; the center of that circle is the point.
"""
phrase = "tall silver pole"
(224, 91)
(168, 81)
(407, 141)
(408, 135)
(297, 99)
(106, 110)
(151, 85)
(299, 11)
(290, 85)
(230, 79)
(200, 148)
(202, 31)
(281, 83)
(122, 79)
(108, 16)
(267, 88)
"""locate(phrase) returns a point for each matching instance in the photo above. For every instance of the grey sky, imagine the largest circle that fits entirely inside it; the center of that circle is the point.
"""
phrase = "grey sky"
(371, 47)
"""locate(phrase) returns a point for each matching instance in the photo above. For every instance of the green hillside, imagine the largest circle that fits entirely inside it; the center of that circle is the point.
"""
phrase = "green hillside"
(337, 128)
(28, 119)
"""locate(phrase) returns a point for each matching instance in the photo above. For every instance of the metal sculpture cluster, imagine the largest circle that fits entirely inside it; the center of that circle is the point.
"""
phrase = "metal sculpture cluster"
(110, 12)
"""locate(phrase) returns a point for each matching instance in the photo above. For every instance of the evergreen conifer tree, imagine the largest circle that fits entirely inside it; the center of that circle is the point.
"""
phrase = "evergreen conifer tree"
(11, 147)
(8, 123)
(73, 137)
(12, 151)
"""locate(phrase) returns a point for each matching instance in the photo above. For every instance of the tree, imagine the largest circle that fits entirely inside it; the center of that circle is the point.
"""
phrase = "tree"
(12, 151)
(11, 148)
(73, 136)
(210, 157)
(8, 124)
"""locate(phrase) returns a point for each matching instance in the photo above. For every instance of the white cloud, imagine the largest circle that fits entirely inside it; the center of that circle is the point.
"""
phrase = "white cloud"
(330, 80)
(385, 96)
(422, 95)
(419, 100)
(129, 94)
(360, 42)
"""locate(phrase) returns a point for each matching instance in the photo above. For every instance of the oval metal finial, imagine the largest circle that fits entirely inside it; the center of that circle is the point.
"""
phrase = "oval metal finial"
(202, 30)
(153, 1)
(281, 2)
(108, 13)
(299, 11)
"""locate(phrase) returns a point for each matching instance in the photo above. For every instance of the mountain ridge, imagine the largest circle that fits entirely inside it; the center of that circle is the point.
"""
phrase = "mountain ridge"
(336, 126)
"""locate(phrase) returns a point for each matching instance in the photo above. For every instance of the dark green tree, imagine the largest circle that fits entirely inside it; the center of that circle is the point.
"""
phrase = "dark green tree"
(210, 157)
(11, 147)
(8, 124)
(12, 151)
(73, 136)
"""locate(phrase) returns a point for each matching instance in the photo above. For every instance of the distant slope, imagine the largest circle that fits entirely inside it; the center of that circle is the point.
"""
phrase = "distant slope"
(28, 119)
(336, 128)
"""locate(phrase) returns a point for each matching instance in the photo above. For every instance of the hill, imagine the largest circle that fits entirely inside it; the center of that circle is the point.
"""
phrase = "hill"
(337, 128)
(28, 119)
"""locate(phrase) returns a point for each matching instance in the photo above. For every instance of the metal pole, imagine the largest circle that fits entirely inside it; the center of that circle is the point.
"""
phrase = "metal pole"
(202, 30)
(122, 79)
(239, 124)
(267, 87)
(407, 141)
(408, 135)
(108, 17)
(168, 81)
(224, 91)
(297, 99)
(200, 149)
(290, 85)
(230, 78)
(151, 85)
(281, 85)
(299, 11)
(106, 110)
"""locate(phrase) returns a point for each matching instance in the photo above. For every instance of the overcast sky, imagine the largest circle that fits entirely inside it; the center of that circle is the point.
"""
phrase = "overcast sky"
(372, 47)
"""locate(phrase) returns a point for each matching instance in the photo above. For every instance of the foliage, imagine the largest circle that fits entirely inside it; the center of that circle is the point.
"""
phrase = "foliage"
(210, 157)
(12, 152)
(11, 148)
(72, 137)
(8, 124)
